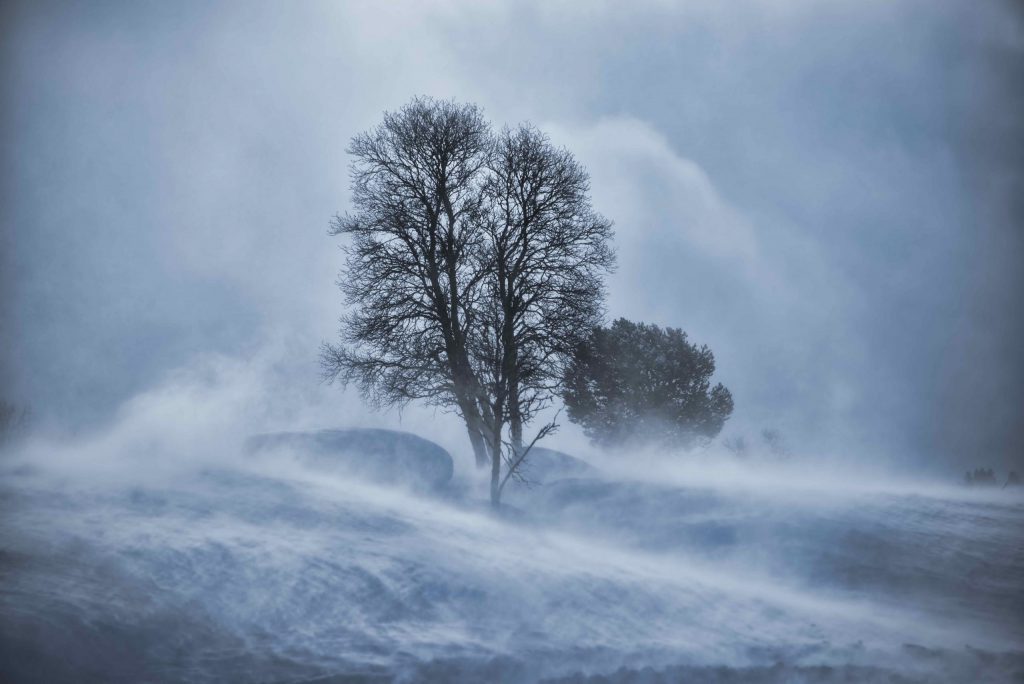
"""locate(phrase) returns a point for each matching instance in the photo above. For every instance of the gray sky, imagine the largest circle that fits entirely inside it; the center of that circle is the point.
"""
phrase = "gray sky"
(828, 194)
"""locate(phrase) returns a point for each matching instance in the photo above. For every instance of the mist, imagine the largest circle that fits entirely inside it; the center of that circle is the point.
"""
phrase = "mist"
(828, 196)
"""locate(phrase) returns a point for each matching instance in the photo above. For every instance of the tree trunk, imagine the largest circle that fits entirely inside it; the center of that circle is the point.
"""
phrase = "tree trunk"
(477, 440)
(470, 411)
(495, 427)
(515, 429)
(515, 423)
(496, 469)
(511, 371)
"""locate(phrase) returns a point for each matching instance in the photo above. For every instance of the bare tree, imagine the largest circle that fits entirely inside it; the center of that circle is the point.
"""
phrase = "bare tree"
(474, 265)
(412, 276)
(548, 251)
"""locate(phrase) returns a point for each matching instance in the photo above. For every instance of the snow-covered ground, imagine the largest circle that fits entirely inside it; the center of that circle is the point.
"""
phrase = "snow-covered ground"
(261, 570)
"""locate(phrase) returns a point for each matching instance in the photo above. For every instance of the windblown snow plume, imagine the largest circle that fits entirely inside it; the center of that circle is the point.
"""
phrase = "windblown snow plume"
(237, 564)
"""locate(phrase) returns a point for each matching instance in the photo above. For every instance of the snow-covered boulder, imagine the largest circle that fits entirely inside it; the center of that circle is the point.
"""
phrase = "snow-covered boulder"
(386, 456)
(544, 466)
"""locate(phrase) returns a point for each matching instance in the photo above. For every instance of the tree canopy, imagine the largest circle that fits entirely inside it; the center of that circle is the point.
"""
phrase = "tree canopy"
(639, 383)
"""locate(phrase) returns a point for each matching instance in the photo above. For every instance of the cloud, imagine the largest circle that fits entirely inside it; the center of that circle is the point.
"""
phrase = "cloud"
(636, 172)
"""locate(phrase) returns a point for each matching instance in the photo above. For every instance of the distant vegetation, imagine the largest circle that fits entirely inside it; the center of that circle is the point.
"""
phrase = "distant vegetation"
(980, 476)
(14, 421)
(772, 443)
(986, 477)
(776, 444)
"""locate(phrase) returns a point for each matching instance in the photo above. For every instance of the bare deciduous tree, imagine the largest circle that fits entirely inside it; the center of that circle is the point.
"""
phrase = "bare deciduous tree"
(411, 273)
(474, 265)
(548, 252)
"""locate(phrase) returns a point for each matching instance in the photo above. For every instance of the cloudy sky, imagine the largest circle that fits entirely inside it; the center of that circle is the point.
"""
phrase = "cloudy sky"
(830, 195)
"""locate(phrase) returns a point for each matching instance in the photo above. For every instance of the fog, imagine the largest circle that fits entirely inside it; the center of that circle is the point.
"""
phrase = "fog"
(829, 196)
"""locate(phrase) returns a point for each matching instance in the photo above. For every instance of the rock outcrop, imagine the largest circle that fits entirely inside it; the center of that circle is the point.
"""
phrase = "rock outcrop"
(386, 456)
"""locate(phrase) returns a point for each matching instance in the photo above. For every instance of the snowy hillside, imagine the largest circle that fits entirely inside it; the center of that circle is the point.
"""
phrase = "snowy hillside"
(273, 570)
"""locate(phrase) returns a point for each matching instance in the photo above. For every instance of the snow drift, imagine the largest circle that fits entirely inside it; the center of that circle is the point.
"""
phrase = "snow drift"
(275, 569)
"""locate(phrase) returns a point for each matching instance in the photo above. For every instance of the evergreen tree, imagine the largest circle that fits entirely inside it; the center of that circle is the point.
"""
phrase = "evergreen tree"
(638, 383)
